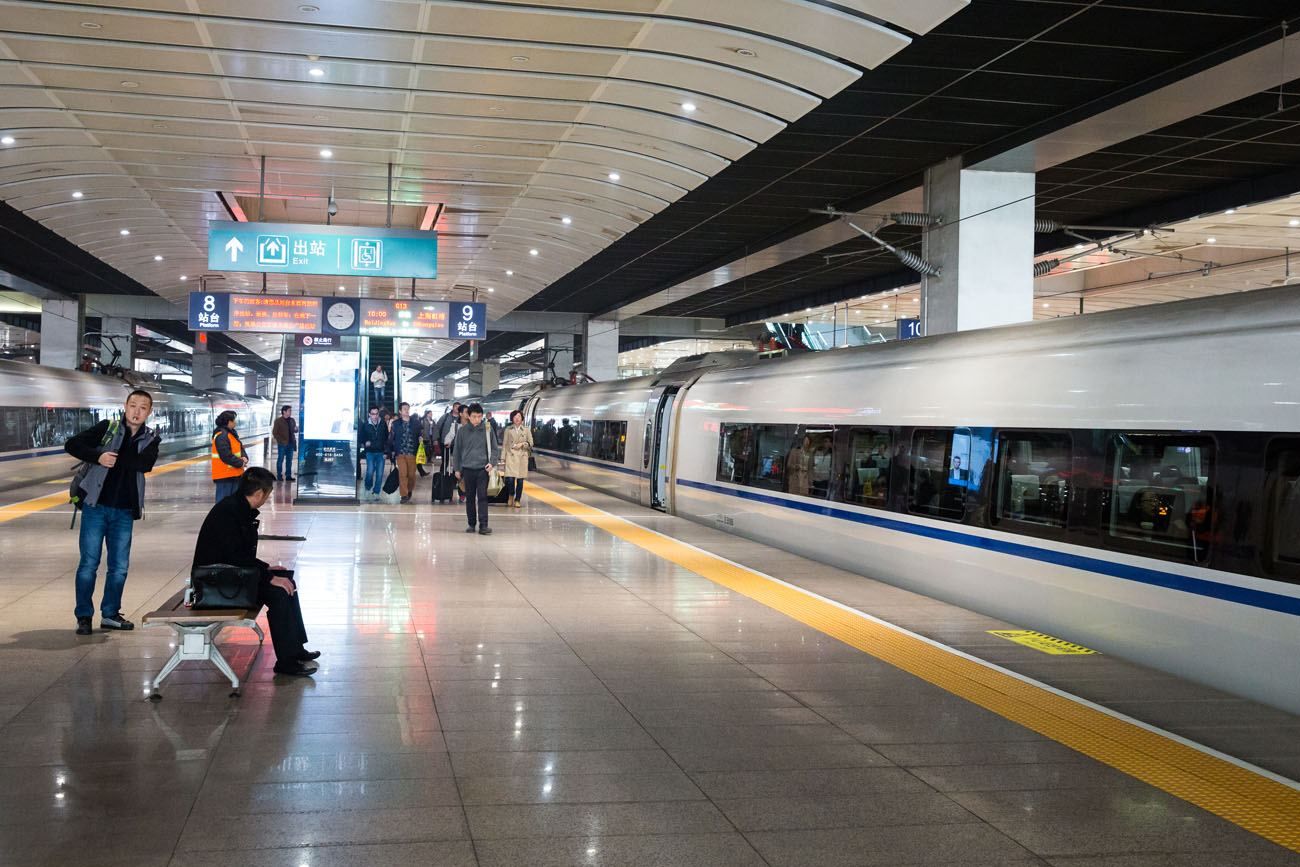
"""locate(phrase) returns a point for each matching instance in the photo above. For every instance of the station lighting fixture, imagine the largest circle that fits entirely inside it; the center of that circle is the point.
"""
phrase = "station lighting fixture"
(490, 289)
(157, 258)
(124, 232)
(688, 107)
(1211, 240)
(184, 278)
(326, 153)
(566, 220)
(614, 176)
(7, 140)
(509, 273)
(519, 58)
(532, 252)
(92, 25)
(1230, 211)
(747, 52)
(316, 72)
(1294, 223)
(77, 194)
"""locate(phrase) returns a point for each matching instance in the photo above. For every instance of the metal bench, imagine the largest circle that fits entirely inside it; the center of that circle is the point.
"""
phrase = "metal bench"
(196, 633)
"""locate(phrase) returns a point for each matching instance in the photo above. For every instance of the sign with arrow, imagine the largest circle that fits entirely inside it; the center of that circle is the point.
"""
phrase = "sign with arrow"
(347, 251)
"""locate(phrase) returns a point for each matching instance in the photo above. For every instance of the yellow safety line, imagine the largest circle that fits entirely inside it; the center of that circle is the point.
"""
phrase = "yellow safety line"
(14, 511)
(1251, 800)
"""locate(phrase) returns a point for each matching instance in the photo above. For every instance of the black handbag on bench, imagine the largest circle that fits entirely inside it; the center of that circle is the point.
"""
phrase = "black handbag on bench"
(224, 586)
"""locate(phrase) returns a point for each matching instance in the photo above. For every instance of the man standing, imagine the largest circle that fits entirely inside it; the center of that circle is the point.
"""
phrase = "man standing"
(285, 433)
(118, 453)
(228, 458)
(372, 441)
(473, 455)
(379, 381)
(403, 443)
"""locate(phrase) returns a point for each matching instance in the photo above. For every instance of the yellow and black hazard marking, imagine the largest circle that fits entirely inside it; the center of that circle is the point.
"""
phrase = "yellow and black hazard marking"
(1043, 642)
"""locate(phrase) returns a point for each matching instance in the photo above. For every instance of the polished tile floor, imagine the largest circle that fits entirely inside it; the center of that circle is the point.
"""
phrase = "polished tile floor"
(552, 695)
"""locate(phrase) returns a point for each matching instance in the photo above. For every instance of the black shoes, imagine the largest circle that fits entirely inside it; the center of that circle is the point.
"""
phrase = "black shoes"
(469, 529)
(308, 655)
(485, 531)
(295, 669)
(288, 478)
(83, 625)
(405, 500)
(117, 621)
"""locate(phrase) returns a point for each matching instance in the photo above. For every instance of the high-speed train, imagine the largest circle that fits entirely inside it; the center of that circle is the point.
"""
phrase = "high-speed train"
(1129, 481)
(41, 407)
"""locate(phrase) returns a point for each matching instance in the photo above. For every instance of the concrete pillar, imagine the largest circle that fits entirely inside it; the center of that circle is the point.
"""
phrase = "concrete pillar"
(600, 349)
(210, 369)
(559, 349)
(122, 330)
(63, 323)
(484, 377)
(984, 248)
(447, 389)
(250, 387)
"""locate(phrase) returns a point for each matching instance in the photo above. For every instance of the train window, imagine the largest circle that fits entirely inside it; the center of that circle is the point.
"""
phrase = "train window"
(861, 468)
(1034, 477)
(609, 440)
(771, 447)
(941, 472)
(1160, 494)
(808, 462)
(566, 435)
(1282, 494)
(582, 442)
(736, 455)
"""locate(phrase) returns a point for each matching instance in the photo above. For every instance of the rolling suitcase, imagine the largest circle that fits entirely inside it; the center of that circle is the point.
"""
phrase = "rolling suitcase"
(443, 484)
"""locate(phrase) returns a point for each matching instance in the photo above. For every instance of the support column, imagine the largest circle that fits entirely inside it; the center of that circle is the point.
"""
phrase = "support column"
(63, 322)
(484, 377)
(600, 349)
(250, 387)
(984, 248)
(122, 330)
(559, 349)
(209, 369)
(447, 389)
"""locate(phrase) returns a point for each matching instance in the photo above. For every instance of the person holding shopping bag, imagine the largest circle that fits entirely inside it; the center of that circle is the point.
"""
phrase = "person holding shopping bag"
(516, 448)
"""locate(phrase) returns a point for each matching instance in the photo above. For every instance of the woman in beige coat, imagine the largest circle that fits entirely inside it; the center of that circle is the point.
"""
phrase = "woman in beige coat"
(516, 446)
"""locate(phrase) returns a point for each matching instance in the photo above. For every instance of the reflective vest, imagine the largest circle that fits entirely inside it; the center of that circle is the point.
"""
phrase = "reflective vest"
(221, 469)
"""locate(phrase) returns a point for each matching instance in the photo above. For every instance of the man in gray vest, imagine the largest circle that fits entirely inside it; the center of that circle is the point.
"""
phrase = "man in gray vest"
(110, 492)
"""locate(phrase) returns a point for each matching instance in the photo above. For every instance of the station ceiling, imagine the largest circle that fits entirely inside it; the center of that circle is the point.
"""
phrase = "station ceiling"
(670, 135)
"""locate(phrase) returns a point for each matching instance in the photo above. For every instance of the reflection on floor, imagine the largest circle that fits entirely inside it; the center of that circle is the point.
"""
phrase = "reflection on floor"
(548, 695)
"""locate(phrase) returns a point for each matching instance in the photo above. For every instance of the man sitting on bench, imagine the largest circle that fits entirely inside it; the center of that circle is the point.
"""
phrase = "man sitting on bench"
(229, 536)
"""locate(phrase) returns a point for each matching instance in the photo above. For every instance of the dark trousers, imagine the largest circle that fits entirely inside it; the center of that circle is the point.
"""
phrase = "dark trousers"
(514, 488)
(284, 616)
(476, 498)
(284, 460)
(226, 487)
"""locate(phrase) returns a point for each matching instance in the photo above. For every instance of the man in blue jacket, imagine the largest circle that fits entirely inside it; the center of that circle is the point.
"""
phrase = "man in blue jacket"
(110, 492)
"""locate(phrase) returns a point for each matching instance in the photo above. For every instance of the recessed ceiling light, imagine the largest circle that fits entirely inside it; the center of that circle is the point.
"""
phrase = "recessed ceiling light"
(886, 306)
(307, 7)
(688, 107)
(7, 140)
(746, 52)
(319, 117)
(76, 194)
(130, 84)
(496, 108)
(519, 58)
(1211, 240)
(124, 232)
(184, 278)
(316, 72)
(613, 176)
(532, 252)
(490, 289)
(1045, 304)
(326, 153)
(1230, 211)
(157, 258)
(1078, 246)
(566, 220)
(807, 310)
(1294, 223)
(341, 289)
(92, 25)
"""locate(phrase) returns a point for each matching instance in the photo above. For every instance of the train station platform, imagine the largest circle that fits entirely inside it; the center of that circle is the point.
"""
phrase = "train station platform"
(597, 684)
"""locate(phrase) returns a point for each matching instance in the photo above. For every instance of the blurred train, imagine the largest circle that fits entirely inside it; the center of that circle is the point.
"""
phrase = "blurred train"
(1129, 481)
(41, 407)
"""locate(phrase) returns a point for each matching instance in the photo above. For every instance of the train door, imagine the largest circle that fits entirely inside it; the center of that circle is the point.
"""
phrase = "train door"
(660, 453)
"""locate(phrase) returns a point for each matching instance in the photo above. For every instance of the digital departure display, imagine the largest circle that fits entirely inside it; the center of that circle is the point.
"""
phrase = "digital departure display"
(278, 314)
(401, 318)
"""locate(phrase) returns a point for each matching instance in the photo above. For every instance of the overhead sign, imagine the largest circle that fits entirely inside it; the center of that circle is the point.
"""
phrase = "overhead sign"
(350, 251)
(318, 342)
(909, 328)
(332, 317)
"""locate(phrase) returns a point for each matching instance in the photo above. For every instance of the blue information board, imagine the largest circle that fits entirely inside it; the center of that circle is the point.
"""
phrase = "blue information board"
(468, 321)
(314, 315)
(909, 328)
(348, 251)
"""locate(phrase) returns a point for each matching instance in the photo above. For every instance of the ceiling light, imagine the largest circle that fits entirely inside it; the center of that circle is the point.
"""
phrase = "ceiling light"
(1045, 304)
(566, 220)
(129, 83)
(509, 273)
(496, 108)
(7, 140)
(76, 194)
(1230, 211)
(318, 117)
(807, 310)
(92, 25)
(306, 7)
(316, 72)
(746, 52)
(326, 153)
(519, 58)
(613, 176)
(1211, 240)
(886, 306)
(1294, 223)
(157, 258)
(341, 289)
(532, 252)
(1079, 246)
(688, 107)
(124, 232)
(184, 278)
(490, 289)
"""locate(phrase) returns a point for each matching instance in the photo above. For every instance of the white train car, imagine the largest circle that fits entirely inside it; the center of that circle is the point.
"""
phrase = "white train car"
(1129, 481)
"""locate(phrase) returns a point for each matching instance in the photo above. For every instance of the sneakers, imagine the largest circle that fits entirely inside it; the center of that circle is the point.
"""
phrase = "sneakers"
(405, 499)
(485, 531)
(117, 621)
(83, 625)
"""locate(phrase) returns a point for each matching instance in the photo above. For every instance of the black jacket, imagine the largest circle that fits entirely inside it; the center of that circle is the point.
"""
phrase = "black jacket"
(122, 486)
(229, 535)
(376, 434)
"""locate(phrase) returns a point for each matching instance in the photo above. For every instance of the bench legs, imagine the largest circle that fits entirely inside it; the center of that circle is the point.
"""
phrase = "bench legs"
(199, 641)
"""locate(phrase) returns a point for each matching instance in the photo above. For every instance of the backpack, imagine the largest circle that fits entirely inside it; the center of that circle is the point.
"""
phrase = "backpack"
(79, 470)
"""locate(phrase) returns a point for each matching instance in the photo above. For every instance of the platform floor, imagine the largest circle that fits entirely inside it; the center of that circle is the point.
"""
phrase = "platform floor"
(556, 694)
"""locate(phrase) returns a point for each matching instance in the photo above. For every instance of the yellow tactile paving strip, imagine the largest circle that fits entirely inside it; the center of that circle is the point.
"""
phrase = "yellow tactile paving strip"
(14, 511)
(1248, 799)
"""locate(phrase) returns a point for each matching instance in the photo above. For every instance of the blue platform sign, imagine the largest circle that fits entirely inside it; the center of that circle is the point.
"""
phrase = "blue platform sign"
(209, 311)
(348, 251)
(469, 321)
(909, 328)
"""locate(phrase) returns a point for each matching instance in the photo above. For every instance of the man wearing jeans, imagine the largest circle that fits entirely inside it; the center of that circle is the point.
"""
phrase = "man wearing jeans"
(472, 456)
(372, 441)
(285, 434)
(118, 453)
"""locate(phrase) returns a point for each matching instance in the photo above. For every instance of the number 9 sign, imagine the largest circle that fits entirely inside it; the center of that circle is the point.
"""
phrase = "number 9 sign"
(466, 313)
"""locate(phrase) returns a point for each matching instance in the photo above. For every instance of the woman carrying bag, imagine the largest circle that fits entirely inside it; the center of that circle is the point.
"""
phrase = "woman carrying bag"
(516, 448)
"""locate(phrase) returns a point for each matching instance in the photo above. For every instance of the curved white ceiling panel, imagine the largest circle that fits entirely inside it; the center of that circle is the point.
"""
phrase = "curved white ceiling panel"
(503, 118)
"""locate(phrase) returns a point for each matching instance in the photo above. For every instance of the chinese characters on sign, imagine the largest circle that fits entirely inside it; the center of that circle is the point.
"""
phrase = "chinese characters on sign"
(298, 314)
(281, 314)
(291, 248)
(383, 318)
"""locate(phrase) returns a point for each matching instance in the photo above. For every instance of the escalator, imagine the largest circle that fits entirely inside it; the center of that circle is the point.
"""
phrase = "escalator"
(380, 350)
